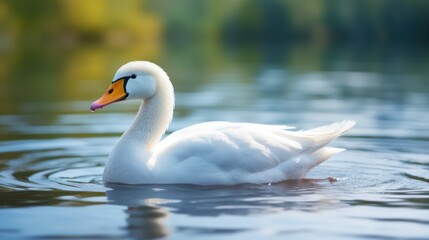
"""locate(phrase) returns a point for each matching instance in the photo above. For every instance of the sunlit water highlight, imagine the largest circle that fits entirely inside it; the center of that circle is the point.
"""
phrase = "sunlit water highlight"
(52, 157)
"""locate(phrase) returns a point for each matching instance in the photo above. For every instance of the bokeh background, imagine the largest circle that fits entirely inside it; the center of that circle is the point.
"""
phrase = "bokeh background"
(302, 63)
(68, 50)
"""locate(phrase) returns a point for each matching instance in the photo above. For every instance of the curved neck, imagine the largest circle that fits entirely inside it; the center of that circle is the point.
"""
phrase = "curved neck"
(152, 119)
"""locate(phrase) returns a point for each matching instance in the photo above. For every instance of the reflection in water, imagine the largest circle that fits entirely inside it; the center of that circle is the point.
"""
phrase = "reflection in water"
(147, 222)
(146, 218)
(149, 206)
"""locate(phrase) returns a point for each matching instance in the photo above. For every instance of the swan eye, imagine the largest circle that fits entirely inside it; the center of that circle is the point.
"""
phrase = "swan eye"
(133, 76)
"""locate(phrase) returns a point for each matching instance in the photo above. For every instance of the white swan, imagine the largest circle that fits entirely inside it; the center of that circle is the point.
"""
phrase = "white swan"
(208, 153)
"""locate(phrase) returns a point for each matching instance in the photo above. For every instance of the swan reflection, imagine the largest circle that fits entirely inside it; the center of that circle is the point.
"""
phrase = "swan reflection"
(146, 222)
(149, 206)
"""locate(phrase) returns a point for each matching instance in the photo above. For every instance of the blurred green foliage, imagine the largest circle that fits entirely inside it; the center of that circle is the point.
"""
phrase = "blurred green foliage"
(237, 21)
(49, 45)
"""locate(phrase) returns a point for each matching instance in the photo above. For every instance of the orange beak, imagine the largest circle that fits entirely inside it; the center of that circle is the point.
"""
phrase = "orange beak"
(116, 92)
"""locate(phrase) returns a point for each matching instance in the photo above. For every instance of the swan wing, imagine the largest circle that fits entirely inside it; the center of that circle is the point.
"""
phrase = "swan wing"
(229, 153)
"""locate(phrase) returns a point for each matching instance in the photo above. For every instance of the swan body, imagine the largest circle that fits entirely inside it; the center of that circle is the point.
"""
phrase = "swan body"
(209, 153)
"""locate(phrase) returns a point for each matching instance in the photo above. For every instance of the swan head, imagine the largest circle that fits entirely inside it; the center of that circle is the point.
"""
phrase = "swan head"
(134, 80)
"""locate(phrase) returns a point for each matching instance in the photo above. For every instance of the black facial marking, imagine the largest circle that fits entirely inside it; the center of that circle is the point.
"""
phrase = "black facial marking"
(126, 78)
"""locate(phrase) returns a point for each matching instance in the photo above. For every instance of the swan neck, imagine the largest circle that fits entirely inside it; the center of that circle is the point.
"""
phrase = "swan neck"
(152, 119)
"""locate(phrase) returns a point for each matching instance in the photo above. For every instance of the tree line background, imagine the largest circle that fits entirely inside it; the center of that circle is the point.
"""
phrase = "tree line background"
(358, 22)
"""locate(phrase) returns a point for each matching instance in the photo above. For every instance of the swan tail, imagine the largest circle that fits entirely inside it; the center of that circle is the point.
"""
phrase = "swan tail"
(337, 128)
(321, 155)
(326, 134)
(310, 160)
(323, 136)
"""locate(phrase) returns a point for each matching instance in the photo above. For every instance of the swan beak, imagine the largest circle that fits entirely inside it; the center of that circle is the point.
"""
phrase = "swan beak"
(116, 92)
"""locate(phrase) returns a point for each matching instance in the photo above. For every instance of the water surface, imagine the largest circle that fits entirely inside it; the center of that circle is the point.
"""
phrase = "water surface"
(52, 152)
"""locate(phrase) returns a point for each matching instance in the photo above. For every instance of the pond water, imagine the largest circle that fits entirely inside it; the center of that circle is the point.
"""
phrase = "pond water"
(52, 149)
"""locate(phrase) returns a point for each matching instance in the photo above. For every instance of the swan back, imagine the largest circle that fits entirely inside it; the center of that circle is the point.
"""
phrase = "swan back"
(232, 153)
